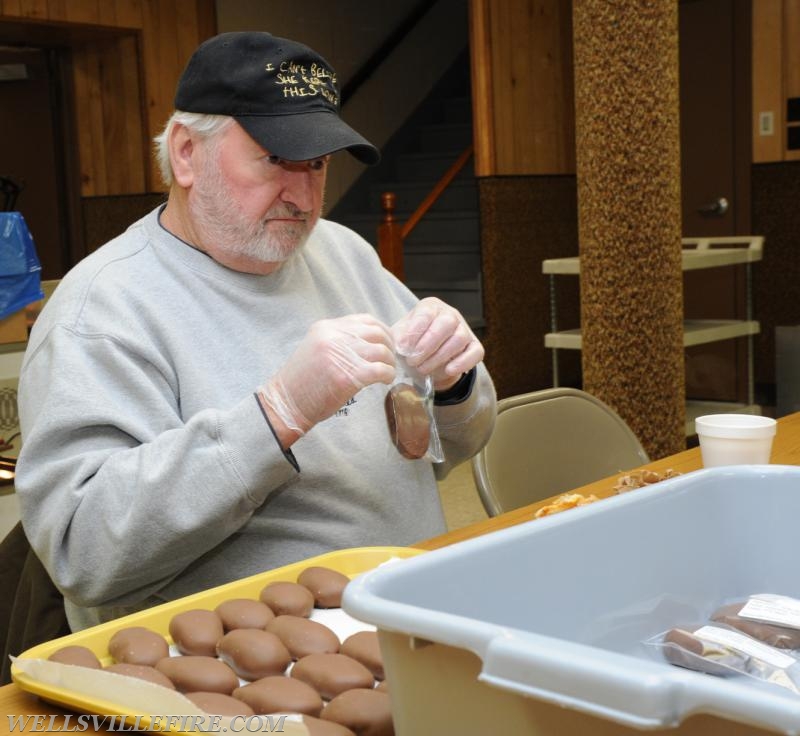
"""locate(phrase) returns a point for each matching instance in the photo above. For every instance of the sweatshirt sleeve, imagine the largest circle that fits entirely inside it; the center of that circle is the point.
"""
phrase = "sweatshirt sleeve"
(118, 493)
(465, 427)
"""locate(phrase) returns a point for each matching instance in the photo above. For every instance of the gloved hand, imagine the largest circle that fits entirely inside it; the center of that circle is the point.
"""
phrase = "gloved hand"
(437, 341)
(335, 360)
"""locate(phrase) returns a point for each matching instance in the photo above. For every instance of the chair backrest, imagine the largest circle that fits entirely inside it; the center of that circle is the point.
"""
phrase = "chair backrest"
(548, 442)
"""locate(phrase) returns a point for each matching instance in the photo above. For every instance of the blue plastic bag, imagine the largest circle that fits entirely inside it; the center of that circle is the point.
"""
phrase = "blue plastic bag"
(20, 270)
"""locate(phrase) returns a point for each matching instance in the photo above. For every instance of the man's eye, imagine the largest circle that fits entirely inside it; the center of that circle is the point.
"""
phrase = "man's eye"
(317, 164)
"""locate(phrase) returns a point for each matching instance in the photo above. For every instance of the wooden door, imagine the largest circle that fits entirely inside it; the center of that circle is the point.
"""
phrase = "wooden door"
(30, 152)
(715, 162)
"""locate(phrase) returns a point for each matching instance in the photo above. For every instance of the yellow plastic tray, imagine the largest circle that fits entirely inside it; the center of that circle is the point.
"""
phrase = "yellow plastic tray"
(350, 562)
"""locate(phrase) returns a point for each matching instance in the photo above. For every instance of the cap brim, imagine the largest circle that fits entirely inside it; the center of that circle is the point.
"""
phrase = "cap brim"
(308, 135)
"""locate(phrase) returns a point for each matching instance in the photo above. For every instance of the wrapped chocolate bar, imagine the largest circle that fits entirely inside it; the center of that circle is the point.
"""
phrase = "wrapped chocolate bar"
(409, 414)
(722, 651)
(773, 619)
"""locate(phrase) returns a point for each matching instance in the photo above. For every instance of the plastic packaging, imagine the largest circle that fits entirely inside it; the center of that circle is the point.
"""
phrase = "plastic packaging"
(758, 636)
(723, 651)
(409, 414)
(20, 271)
(772, 619)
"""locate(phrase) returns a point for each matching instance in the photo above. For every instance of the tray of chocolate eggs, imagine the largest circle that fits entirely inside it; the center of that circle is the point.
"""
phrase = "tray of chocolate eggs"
(273, 643)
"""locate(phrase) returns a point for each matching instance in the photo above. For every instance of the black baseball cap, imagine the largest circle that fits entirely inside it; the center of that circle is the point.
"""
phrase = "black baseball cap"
(281, 92)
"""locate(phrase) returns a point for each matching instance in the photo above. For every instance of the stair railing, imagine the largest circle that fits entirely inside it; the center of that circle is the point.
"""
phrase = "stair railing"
(392, 234)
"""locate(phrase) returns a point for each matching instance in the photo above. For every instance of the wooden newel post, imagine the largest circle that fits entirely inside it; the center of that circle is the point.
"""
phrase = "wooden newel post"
(390, 237)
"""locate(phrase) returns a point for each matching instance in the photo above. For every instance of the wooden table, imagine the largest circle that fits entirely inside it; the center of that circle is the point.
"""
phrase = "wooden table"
(785, 451)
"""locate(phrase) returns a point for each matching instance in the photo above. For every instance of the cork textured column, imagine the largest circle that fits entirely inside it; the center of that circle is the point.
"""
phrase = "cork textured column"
(629, 213)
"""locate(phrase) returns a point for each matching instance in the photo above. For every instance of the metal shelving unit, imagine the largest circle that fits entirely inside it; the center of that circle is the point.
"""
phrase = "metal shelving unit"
(697, 253)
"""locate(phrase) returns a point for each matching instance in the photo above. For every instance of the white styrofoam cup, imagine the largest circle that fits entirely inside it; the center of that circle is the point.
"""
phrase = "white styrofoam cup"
(735, 439)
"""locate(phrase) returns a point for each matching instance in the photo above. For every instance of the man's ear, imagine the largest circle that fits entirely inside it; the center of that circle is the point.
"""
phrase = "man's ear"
(181, 149)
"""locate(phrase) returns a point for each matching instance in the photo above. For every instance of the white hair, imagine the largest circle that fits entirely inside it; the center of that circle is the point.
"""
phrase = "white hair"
(204, 125)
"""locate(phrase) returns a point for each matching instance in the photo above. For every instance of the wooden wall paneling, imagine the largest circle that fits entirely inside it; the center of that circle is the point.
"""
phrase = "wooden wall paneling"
(83, 11)
(482, 93)
(507, 105)
(532, 81)
(791, 58)
(107, 13)
(187, 38)
(162, 68)
(540, 59)
(507, 81)
(80, 80)
(136, 145)
(549, 52)
(11, 7)
(564, 120)
(121, 112)
(151, 62)
(96, 120)
(57, 9)
(89, 109)
(768, 95)
(113, 114)
(33, 8)
(68, 141)
(206, 19)
(129, 13)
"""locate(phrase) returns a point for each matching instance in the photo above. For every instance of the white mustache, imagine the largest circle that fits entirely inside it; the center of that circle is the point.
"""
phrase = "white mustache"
(286, 212)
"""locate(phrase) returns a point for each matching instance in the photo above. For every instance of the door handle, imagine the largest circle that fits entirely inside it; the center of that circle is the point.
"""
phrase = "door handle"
(717, 208)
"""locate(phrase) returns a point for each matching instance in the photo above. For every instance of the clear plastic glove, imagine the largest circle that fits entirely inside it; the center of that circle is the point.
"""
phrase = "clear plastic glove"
(334, 361)
(437, 341)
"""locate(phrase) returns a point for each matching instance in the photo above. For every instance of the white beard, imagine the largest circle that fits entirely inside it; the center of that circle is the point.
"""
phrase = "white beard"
(216, 214)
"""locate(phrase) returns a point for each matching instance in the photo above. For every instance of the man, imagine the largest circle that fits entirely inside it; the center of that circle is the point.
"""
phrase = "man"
(203, 397)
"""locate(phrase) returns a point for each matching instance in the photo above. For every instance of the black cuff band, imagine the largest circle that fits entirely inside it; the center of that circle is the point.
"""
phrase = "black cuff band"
(458, 392)
(288, 454)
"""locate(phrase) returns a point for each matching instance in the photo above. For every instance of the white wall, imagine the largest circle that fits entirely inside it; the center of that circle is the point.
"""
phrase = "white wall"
(346, 33)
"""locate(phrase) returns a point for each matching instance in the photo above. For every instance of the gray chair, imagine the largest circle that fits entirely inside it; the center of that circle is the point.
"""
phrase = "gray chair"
(549, 442)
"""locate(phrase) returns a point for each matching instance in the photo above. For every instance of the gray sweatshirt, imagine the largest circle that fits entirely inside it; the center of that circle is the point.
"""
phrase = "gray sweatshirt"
(147, 470)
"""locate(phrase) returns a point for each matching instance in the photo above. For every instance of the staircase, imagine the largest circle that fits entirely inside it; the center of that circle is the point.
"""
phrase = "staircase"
(442, 253)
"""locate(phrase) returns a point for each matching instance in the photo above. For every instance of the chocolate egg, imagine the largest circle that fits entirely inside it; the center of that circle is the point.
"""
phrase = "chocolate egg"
(141, 672)
(331, 674)
(279, 694)
(77, 655)
(408, 420)
(302, 636)
(253, 653)
(288, 598)
(244, 613)
(366, 712)
(138, 645)
(196, 632)
(199, 674)
(219, 704)
(325, 584)
(363, 647)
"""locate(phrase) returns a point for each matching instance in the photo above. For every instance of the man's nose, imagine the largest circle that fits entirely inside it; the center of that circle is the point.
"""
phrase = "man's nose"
(300, 189)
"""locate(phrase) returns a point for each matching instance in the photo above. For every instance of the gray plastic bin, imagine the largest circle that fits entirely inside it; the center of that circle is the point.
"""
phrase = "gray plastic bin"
(537, 629)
